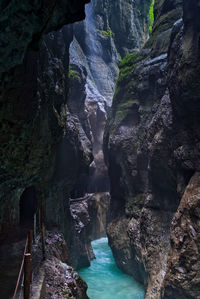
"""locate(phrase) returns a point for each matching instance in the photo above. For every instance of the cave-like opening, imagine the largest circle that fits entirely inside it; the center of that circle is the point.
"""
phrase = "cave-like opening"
(27, 207)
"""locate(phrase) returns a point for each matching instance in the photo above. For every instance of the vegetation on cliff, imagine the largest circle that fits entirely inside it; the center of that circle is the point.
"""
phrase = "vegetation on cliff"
(151, 16)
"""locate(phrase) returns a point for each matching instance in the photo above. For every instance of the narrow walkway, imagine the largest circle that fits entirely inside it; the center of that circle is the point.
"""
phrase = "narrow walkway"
(11, 253)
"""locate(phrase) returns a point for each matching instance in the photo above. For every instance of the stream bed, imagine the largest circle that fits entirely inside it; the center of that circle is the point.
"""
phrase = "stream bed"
(105, 280)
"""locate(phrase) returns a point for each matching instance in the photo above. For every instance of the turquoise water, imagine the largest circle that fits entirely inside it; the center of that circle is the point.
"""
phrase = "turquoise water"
(105, 280)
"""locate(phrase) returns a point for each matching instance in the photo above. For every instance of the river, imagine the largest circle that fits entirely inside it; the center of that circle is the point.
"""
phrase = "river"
(105, 280)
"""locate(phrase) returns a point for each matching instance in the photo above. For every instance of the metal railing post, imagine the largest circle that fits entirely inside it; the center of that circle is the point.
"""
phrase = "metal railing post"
(30, 249)
(42, 231)
(27, 275)
(34, 227)
(43, 241)
(20, 271)
(30, 241)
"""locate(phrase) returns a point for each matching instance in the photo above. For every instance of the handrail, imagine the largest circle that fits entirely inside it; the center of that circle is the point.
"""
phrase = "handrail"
(21, 268)
(27, 259)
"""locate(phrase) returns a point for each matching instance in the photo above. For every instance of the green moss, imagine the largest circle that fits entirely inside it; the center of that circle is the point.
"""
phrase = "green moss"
(127, 82)
(129, 60)
(125, 73)
(127, 68)
(107, 34)
(121, 114)
(126, 85)
(128, 103)
(123, 109)
(126, 92)
(72, 74)
(164, 22)
(151, 15)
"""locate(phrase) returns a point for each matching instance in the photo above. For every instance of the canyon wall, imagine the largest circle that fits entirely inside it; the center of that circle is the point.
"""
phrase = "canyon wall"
(151, 137)
(111, 30)
(98, 45)
(152, 152)
(42, 153)
(46, 144)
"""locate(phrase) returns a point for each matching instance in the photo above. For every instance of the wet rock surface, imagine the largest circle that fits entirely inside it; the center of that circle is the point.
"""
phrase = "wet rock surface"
(61, 279)
(119, 241)
(52, 154)
(90, 217)
(98, 45)
(33, 96)
(151, 140)
(140, 178)
(19, 32)
(99, 211)
(43, 146)
(82, 251)
(152, 149)
(111, 30)
(182, 278)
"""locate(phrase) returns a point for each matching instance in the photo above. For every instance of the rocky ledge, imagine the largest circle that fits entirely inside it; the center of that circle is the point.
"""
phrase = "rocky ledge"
(60, 280)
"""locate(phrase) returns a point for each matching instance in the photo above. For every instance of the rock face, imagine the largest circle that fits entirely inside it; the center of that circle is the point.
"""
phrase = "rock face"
(72, 158)
(151, 140)
(151, 146)
(18, 33)
(90, 217)
(82, 251)
(101, 41)
(33, 110)
(152, 151)
(182, 279)
(98, 45)
(61, 281)
(99, 211)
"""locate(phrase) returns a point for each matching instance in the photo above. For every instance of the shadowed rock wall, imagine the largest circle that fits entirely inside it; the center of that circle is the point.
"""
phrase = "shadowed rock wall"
(151, 145)
(33, 96)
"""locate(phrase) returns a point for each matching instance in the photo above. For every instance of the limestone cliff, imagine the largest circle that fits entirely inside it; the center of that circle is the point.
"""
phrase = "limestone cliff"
(151, 138)
(18, 33)
(98, 44)
(42, 152)
(151, 145)
(33, 112)
(182, 279)
(111, 30)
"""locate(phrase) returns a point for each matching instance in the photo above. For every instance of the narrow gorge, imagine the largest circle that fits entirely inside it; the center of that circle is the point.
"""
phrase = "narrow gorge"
(100, 137)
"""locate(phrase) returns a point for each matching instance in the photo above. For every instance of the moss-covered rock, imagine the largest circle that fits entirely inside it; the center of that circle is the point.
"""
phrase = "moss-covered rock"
(166, 14)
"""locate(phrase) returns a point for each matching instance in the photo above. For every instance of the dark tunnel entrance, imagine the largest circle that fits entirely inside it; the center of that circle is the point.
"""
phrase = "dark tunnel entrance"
(28, 206)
